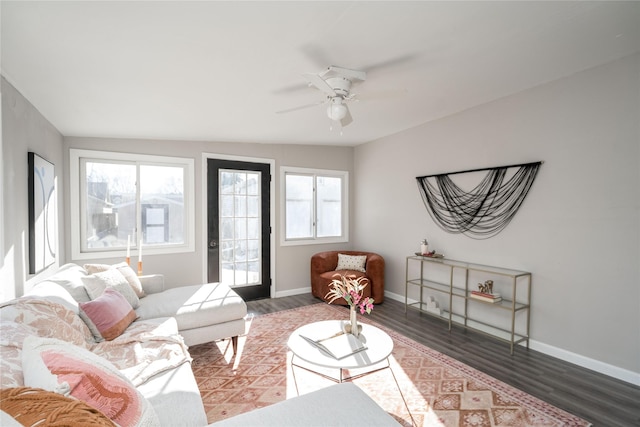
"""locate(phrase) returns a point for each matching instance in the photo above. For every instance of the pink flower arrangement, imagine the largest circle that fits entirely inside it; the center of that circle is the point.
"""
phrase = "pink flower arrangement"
(350, 288)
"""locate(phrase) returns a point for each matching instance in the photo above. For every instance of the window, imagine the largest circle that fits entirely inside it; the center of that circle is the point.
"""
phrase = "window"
(119, 199)
(315, 206)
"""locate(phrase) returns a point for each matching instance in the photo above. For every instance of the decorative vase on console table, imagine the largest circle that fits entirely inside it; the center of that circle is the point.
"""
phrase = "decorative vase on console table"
(424, 247)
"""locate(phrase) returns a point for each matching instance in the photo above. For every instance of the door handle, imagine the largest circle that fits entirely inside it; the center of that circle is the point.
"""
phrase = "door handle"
(213, 244)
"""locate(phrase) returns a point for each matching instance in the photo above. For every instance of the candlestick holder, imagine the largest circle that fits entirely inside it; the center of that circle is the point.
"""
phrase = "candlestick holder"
(139, 268)
(128, 259)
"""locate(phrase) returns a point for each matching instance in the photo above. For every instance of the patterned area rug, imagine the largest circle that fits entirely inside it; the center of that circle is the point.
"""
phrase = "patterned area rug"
(423, 387)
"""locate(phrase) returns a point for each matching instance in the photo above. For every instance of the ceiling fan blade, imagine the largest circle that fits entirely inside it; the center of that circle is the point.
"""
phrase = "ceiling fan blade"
(318, 82)
(346, 72)
(291, 88)
(302, 107)
(347, 119)
(391, 62)
(382, 94)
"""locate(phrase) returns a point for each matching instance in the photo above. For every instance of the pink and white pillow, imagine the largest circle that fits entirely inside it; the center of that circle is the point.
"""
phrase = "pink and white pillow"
(109, 315)
(69, 370)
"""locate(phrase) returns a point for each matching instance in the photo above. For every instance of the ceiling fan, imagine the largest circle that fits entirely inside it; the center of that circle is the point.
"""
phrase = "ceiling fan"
(336, 83)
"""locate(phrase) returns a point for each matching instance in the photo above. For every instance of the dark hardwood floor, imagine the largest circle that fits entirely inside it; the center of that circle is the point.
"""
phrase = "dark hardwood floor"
(602, 400)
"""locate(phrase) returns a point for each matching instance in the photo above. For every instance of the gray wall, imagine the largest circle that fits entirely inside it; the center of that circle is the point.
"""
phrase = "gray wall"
(24, 129)
(578, 231)
(292, 262)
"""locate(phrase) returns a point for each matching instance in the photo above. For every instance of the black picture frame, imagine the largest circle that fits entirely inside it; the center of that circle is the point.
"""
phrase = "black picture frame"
(43, 224)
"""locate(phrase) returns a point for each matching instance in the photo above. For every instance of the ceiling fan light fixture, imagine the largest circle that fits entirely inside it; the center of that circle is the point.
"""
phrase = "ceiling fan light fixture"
(336, 111)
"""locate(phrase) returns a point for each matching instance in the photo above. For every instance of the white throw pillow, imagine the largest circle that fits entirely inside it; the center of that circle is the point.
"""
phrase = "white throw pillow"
(66, 369)
(95, 285)
(124, 269)
(351, 262)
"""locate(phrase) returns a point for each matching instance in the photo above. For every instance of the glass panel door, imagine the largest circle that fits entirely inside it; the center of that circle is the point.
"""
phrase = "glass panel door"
(240, 225)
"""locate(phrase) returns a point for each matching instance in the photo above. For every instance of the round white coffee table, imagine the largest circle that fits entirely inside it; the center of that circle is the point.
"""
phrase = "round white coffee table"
(379, 346)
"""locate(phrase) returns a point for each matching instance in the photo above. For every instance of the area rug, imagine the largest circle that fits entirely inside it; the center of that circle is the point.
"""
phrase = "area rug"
(423, 387)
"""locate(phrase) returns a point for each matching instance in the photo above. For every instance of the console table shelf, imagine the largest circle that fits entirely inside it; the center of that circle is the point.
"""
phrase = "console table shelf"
(449, 281)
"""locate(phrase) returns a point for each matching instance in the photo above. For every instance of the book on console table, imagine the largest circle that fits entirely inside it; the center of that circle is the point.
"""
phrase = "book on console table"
(338, 346)
(483, 296)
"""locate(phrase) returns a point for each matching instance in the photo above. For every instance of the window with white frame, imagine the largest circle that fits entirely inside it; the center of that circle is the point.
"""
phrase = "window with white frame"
(315, 206)
(122, 200)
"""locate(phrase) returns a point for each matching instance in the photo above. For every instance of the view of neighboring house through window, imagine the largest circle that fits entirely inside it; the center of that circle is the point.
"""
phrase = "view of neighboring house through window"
(125, 199)
(110, 204)
(315, 206)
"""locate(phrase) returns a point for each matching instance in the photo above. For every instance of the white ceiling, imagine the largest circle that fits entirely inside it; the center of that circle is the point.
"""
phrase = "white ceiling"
(219, 71)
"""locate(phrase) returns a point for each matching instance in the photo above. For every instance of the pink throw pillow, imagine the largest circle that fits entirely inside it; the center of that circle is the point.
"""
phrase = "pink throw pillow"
(69, 370)
(111, 313)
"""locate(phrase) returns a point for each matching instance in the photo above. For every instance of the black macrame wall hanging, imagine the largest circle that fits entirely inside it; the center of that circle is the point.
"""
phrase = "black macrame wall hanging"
(484, 211)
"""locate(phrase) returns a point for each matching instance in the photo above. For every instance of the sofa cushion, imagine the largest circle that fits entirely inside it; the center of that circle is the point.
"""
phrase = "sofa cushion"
(13, 335)
(111, 313)
(335, 275)
(195, 306)
(69, 277)
(340, 405)
(70, 370)
(54, 292)
(47, 319)
(351, 262)
(146, 348)
(173, 389)
(7, 420)
(124, 269)
(152, 283)
(95, 284)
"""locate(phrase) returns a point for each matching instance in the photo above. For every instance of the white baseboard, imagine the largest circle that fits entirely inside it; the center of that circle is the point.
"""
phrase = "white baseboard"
(559, 353)
(290, 292)
(586, 362)
(567, 356)
(396, 297)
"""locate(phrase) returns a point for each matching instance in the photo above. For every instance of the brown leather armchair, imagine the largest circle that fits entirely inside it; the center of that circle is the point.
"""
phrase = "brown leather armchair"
(323, 270)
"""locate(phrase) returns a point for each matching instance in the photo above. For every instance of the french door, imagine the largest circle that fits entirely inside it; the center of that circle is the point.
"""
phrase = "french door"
(238, 218)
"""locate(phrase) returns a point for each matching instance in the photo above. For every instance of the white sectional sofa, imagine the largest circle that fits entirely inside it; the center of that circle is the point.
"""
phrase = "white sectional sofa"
(148, 359)
(204, 313)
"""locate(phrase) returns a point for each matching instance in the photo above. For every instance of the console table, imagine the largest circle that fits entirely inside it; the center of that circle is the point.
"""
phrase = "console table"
(448, 284)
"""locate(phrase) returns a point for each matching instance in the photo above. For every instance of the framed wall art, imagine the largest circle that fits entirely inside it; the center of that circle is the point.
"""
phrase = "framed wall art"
(43, 226)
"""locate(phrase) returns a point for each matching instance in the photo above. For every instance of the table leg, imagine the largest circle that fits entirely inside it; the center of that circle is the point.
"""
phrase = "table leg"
(341, 378)
(413, 422)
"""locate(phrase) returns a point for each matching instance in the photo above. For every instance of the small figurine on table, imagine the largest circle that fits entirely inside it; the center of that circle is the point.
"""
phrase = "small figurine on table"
(487, 287)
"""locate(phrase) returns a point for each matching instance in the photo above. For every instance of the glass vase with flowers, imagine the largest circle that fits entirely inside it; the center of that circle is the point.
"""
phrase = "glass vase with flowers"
(350, 288)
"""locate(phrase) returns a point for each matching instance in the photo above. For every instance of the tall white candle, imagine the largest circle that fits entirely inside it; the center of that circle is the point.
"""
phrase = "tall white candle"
(129, 246)
(140, 252)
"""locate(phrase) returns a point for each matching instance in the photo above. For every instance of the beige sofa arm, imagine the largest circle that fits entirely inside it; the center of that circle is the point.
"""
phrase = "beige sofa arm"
(152, 283)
